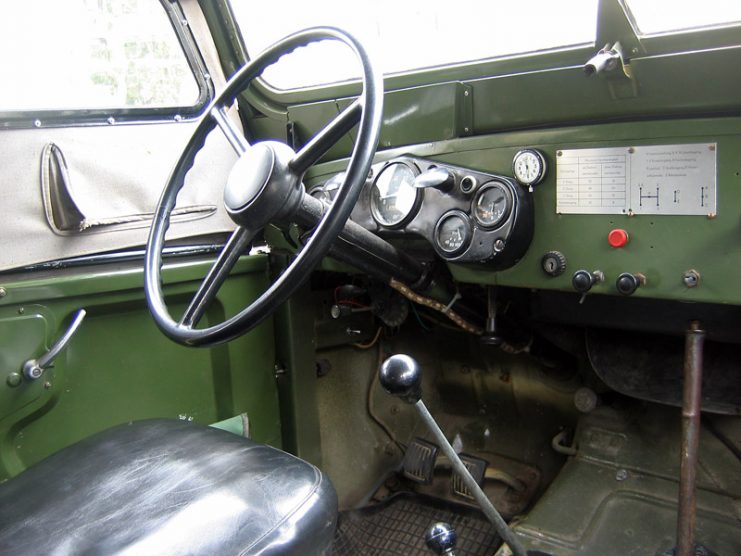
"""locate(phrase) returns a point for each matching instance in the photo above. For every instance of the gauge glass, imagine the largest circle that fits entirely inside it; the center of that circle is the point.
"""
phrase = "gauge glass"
(394, 197)
(528, 167)
(492, 205)
(453, 233)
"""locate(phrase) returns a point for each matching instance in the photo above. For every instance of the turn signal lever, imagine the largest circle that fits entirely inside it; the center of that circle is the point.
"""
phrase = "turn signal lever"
(401, 376)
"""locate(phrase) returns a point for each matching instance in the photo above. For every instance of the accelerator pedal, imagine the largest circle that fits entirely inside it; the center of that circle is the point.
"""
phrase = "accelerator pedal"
(477, 467)
(419, 461)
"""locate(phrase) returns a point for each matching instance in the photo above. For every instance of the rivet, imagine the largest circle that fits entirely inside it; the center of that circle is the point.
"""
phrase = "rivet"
(3, 292)
(559, 153)
(465, 93)
(631, 150)
(14, 379)
(21, 310)
(621, 475)
(711, 147)
(47, 385)
(466, 129)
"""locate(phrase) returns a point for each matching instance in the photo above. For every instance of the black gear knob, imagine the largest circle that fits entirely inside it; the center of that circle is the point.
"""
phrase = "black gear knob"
(441, 538)
(401, 376)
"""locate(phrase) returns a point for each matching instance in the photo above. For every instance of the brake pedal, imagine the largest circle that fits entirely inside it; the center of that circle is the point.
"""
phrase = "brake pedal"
(477, 468)
(419, 461)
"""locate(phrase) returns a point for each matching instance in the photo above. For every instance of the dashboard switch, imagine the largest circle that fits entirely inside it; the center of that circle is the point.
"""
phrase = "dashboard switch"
(617, 238)
(628, 283)
(583, 280)
(439, 178)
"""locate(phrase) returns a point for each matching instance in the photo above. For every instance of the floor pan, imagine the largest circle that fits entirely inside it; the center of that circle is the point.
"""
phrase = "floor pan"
(397, 526)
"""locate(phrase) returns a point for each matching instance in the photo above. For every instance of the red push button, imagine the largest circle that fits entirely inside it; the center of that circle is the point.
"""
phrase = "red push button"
(617, 238)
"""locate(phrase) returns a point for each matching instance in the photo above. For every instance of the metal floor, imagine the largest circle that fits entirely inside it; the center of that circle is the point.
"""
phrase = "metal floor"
(398, 525)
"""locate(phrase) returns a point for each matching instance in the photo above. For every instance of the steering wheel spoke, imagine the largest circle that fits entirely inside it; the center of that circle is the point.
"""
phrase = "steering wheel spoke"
(233, 134)
(234, 248)
(326, 138)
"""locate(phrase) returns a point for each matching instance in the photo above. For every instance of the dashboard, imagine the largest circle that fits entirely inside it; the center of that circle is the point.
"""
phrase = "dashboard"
(678, 254)
(466, 216)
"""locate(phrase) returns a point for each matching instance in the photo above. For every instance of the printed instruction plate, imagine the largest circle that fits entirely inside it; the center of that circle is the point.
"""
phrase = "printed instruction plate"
(662, 179)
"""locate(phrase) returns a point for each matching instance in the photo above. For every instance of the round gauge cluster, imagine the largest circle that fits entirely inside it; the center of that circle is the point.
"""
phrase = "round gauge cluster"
(393, 198)
(491, 207)
(453, 233)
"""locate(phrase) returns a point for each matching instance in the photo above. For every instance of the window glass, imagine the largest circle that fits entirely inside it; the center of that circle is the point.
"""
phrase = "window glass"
(409, 34)
(91, 54)
(663, 16)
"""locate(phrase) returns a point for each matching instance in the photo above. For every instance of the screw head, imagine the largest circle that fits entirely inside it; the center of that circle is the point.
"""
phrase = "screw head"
(621, 475)
(3, 292)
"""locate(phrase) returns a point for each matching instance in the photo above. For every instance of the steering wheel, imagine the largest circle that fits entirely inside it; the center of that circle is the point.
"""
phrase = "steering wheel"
(264, 186)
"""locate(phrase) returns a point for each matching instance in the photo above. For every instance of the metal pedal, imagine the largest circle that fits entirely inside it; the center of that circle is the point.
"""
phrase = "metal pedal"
(477, 468)
(419, 461)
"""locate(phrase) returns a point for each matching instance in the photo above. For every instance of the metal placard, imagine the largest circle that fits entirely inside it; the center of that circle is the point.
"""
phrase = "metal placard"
(656, 179)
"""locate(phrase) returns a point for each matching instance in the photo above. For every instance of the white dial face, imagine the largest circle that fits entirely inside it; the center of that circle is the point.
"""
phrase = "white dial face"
(528, 167)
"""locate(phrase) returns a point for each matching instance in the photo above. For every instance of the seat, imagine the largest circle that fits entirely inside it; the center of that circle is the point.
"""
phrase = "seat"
(168, 487)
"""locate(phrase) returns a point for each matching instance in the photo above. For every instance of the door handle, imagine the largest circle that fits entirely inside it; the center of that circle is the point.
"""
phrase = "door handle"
(34, 368)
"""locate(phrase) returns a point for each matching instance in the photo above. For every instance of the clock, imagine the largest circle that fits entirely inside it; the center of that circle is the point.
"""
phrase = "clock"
(529, 167)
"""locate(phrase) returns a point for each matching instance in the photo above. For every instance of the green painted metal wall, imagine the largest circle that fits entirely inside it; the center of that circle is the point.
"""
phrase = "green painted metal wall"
(119, 367)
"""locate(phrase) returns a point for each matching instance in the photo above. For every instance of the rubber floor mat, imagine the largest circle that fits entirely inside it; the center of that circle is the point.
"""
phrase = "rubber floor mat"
(398, 526)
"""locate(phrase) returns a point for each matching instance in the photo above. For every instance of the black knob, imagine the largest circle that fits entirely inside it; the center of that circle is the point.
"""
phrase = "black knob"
(628, 283)
(441, 538)
(401, 376)
(583, 280)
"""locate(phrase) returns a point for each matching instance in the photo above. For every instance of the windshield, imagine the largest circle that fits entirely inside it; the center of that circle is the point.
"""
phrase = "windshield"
(407, 35)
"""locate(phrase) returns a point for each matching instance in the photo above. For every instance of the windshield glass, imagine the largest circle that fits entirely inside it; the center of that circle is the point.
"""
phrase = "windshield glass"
(654, 17)
(406, 35)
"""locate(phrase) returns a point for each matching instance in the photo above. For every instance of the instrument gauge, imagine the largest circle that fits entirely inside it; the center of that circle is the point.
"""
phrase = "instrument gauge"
(529, 167)
(492, 205)
(394, 199)
(453, 233)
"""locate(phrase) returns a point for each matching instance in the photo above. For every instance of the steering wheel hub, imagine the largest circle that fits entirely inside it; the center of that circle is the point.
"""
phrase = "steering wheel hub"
(261, 186)
(249, 176)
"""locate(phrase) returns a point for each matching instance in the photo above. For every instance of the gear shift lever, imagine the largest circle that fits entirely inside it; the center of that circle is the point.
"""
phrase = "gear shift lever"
(441, 538)
(401, 376)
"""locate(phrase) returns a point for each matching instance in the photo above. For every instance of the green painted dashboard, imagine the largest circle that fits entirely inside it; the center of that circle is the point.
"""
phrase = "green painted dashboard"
(661, 247)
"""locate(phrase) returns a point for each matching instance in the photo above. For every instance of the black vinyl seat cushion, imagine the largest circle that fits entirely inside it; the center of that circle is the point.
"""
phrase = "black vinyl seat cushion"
(168, 487)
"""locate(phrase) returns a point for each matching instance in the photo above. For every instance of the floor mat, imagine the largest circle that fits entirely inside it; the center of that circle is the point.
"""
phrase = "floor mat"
(398, 526)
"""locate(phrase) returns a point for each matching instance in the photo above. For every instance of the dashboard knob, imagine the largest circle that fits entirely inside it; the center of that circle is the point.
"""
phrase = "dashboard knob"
(439, 178)
(628, 283)
(583, 280)
(553, 263)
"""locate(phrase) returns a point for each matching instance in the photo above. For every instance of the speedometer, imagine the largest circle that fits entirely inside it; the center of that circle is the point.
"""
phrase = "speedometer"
(394, 199)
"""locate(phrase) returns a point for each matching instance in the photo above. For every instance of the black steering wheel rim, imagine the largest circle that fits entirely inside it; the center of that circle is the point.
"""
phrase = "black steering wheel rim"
(368, 110)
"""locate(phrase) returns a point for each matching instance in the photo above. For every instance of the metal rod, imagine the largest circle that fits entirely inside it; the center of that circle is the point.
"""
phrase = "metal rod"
(491, 513)
(692, 392)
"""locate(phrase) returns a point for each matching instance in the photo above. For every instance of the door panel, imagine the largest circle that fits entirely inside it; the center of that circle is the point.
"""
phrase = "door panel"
(119, 367)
